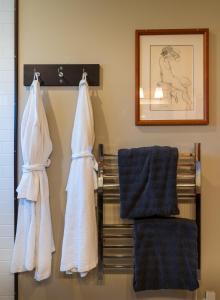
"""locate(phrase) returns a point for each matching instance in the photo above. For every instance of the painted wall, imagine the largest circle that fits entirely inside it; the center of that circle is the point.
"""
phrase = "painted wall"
(101, 31)
(6, 147)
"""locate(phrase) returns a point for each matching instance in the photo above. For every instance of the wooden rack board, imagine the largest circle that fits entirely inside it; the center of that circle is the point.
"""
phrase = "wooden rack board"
(62, 74)
(115, 242)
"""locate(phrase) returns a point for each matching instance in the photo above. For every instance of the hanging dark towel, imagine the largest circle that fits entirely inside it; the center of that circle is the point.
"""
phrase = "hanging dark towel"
(165, 254)
(147, 178)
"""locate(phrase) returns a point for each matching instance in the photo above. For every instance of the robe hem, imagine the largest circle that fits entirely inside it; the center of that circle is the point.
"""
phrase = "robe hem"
(70, 269)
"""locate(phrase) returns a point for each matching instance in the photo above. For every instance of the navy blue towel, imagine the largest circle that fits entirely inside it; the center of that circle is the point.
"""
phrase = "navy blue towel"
(165, 254)
(147, 178)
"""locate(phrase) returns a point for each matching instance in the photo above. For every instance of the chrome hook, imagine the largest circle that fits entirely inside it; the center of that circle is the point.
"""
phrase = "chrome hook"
(84, 75)
(36, 74)
(60, 72)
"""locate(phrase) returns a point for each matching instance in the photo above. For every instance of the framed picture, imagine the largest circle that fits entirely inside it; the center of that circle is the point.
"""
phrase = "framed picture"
(172, 82)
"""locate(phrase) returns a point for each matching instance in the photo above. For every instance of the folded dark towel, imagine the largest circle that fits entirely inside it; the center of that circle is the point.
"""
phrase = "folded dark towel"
(147, 178)
(165, 254)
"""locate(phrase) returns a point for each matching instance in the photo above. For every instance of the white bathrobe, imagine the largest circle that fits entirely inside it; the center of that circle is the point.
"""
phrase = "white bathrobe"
(79, 250)
(34, 239)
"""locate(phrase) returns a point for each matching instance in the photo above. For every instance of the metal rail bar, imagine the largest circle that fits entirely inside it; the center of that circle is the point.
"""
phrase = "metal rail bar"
(118, 236)
(116, 185)
(109, 266)
(112, 256)
(118, 246)
(111, 226)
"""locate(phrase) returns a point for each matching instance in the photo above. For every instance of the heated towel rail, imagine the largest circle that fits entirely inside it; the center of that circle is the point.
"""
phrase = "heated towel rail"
(115, 239)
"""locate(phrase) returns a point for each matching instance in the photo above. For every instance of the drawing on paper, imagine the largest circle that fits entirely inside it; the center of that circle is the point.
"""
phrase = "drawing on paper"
(172, 70)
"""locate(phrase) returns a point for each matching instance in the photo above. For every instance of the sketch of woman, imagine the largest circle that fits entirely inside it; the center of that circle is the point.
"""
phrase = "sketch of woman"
(175, 88)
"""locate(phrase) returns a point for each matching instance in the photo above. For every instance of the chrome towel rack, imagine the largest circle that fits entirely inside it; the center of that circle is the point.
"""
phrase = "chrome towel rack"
(115, 241)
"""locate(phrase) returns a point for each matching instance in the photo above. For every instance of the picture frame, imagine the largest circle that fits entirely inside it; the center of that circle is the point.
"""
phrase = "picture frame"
(172, 77)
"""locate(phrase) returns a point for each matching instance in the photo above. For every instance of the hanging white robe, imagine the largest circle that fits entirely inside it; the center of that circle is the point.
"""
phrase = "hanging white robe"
(34, 239)
(79, 249)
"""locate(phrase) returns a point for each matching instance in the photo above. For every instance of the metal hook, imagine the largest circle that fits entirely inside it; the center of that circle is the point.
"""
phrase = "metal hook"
(36, 74)
(84, 74)
(60, 73)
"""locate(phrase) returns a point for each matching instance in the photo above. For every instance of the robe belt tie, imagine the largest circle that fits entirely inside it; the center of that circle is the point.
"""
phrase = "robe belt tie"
(82, 154)
(86, 154)
(95, 164)
(35, 167)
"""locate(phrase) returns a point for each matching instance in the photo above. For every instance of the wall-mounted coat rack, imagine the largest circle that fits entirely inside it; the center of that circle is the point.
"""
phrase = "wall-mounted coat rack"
(62, 75)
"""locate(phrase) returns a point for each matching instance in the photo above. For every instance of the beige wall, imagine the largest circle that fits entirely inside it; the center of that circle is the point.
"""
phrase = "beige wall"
(102, 31)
